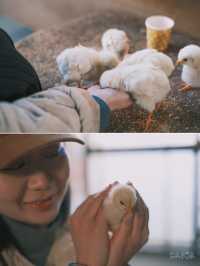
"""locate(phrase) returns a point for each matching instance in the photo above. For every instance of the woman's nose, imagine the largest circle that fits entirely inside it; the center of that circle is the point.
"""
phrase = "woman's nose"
(39, 181)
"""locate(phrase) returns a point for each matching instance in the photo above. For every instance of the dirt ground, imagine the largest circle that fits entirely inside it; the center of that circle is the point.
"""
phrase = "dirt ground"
(45, 13)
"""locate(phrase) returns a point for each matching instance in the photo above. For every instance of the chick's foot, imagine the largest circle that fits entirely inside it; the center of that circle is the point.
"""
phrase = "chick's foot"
(186, 88)
(149, 121)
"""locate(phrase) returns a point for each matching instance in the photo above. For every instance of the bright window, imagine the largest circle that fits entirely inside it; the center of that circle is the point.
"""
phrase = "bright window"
(166, 179)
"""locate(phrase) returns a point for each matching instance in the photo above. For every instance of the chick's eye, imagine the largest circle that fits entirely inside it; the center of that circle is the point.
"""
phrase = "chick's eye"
(185, 60)
(122, 203)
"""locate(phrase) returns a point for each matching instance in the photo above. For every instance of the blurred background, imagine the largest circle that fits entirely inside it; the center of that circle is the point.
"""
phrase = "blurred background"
(39, 14)
(165, 170)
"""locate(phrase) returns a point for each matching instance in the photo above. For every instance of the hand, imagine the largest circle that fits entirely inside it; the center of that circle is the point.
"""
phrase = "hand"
(90, 232)
(115, 99)
(131, 236)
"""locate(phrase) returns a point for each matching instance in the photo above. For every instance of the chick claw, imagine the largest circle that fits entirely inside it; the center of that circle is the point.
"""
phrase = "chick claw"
(158, 106)
(186, 88)
(149, 121)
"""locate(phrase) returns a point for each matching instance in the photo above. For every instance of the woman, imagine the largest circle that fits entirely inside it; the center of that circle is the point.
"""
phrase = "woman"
(24, 107)
(34, 172)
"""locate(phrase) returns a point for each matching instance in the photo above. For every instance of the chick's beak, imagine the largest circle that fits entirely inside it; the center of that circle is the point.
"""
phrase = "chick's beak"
(179, 62)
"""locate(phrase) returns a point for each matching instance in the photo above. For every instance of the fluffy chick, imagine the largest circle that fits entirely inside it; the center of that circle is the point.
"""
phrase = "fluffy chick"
(147, 84)
(116, 41)
(120, 199)
(152, 56)
(83, 66)
(189, 57)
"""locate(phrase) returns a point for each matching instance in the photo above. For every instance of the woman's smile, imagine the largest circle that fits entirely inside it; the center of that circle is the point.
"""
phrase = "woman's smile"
(43, 204)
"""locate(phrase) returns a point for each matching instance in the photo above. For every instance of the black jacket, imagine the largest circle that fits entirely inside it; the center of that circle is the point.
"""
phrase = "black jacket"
(17, 77)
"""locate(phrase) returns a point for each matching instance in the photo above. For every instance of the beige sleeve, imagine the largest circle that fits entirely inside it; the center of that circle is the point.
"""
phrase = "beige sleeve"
(59, 109)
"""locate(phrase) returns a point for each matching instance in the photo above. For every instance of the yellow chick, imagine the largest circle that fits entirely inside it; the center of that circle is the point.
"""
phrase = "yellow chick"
(120, 199)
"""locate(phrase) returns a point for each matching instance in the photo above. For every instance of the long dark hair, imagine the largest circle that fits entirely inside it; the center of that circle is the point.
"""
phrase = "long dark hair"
(6, 240)
(3, 262)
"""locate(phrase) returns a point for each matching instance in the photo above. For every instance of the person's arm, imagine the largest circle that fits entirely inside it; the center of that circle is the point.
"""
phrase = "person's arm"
(60, 109)
(105, 113)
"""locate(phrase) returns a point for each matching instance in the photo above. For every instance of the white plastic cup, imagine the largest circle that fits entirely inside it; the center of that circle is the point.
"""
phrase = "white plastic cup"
(159, 29)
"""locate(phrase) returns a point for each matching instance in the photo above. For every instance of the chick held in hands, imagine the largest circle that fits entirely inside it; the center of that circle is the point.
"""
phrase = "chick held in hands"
(120, 200)
(189, 57)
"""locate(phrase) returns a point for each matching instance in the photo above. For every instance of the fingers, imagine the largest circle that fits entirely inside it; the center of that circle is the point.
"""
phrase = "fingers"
(126, 225)
(130, 184)
(98, 201)
(123, 233)
(146, 223)
(141, 219)
(127, 222)
(145, 228)
(140, 207)
(91, 205)
(123, 100)
(88, 210)
(98, 210)
(145, 236)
